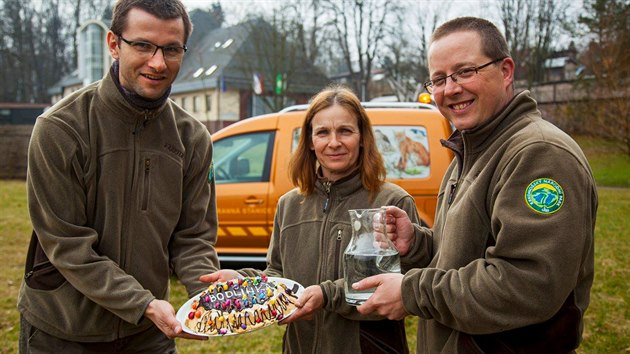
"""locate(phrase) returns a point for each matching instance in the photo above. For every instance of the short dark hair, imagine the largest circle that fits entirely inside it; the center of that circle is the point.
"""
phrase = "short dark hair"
(493, 43)
(163, 9)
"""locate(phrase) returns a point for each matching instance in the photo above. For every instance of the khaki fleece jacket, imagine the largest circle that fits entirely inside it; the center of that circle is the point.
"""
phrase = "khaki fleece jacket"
(504, 273)
(307, 246)
(118, 198)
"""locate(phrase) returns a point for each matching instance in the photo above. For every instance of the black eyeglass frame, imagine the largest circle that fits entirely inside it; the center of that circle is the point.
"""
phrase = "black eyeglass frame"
(157, 47)
(429, 84)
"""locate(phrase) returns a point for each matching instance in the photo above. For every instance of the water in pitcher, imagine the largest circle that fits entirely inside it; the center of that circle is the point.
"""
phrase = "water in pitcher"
(360, 265)
(368, 253)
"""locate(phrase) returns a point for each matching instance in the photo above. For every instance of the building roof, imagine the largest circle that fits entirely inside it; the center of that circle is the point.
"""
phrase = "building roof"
(558, 62)
(68, 80)
(229, 57)
(206, 62)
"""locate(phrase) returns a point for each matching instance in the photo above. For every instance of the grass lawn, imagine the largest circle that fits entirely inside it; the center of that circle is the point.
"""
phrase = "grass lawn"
(607, 321)
(610, 167)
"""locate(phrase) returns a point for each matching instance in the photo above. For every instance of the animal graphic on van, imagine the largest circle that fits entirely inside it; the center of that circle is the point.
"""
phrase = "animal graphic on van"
(410, 150)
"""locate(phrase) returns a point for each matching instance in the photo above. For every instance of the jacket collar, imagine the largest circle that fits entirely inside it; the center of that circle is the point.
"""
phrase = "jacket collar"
(114, 100)
(133, 98)
(342, 187)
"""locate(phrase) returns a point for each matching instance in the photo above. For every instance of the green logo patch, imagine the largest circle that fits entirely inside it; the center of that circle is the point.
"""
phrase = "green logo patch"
(544, 196)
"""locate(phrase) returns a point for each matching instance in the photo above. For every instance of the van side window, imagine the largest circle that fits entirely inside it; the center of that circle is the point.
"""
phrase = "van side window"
(243, 158)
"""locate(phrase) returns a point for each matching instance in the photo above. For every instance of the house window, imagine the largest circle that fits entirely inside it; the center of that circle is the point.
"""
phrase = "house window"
(91, 53)
(208, 103)
(184, 102)
(195, 103)
(96, 50)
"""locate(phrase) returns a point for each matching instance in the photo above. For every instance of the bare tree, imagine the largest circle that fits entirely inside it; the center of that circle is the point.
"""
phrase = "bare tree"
(5, 55)
(269, 46)
(75, 39)
(403, 72)
(18, 31)
(607, 74)
(35, 41)
(50, 62)
(305, 25)
(516, 18)
(531, 27)
(283, 64)
(359, 28)
(405, 58)
(549, 21)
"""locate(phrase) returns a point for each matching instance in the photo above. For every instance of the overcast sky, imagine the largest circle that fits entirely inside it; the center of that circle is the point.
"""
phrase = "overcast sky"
(235, 10)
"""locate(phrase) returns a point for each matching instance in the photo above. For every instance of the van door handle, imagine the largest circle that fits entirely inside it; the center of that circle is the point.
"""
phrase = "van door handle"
(253, 201)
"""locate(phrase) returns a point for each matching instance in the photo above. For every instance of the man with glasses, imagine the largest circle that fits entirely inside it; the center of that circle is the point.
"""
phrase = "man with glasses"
(119, 198)
(508, 264)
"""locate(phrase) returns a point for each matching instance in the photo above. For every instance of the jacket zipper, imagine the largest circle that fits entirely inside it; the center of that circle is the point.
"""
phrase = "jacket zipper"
(132, 188)
(140, 127)
(327, 201)
(451, 195)
(337, 254)
(319, 316)
(147, 175)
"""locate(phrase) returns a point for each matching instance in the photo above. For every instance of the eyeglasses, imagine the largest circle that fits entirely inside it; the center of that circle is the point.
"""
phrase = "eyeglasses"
(461, 76)
(148, 50)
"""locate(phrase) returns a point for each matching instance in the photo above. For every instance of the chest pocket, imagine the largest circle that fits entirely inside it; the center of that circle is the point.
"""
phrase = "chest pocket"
(160, 181)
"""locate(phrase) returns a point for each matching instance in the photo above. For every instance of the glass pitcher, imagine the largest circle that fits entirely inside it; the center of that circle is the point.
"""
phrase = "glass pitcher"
(366, 255)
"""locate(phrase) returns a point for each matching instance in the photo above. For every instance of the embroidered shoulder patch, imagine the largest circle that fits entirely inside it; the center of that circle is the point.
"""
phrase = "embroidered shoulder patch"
(544, 196)
(211, 172)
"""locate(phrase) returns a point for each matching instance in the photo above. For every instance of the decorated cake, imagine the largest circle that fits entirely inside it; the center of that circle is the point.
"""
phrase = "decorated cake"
(240, 305)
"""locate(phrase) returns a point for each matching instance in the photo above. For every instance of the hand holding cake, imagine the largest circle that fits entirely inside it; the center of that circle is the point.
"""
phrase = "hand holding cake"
(220, 275)
(238, 305)
(310, 301)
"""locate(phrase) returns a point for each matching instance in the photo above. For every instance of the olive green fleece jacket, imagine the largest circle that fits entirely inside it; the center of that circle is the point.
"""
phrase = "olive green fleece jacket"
(499, 274)
(118, 198)
(307, 246)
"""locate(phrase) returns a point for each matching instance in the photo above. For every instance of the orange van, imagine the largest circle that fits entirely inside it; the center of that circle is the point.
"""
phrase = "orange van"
(251, 160)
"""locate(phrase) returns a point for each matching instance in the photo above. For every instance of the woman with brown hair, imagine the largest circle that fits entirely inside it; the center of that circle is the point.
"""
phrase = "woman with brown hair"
(336, 167)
